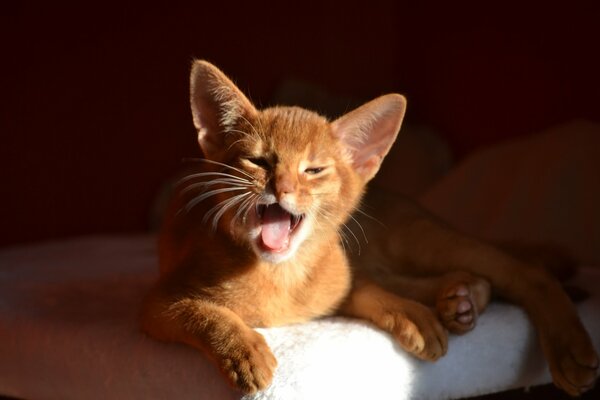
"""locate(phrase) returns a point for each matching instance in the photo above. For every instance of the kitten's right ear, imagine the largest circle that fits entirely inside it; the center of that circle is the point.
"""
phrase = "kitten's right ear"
(369, 131)
(217, 106)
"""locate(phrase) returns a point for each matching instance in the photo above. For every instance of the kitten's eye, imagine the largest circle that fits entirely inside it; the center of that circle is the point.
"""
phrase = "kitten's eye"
(260, 162)
(314, 171)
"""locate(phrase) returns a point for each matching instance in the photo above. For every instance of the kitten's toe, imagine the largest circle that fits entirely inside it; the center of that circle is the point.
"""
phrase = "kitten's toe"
(250, 364)
(461, 298)
(456, 309)
(419, 332)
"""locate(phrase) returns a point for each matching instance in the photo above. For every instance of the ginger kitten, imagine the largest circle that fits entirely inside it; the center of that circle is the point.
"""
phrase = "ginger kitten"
(252, 239)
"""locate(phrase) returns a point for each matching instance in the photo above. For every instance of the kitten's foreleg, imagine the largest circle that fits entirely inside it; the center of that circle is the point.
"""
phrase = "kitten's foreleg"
(240, 352)
(412, 324)
(458, 297)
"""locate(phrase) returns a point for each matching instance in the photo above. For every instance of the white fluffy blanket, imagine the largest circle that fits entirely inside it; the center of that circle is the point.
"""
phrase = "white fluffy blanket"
(68, 330)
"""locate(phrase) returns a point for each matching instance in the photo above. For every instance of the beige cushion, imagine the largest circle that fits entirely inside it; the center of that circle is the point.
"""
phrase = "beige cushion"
(545, 187)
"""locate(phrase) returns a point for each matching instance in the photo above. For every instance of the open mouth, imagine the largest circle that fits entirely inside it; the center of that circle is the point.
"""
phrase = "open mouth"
(278, 227)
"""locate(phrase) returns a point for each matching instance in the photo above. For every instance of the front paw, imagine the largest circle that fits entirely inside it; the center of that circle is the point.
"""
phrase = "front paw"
(249, 363)
(573, 363)
(418, 331)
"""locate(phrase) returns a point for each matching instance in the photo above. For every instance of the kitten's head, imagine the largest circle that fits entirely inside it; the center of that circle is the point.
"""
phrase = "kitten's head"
(282, 180)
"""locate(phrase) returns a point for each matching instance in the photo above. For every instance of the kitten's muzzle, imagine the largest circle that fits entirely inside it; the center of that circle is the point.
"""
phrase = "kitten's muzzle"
(295, 218)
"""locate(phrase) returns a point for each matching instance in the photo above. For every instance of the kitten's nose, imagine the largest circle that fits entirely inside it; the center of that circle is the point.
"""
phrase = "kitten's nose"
(284, 184)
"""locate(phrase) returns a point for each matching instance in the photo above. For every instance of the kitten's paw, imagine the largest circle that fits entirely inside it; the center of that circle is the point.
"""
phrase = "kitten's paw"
(573, 365)
(460, 300)
(418, 331)
(249, 364)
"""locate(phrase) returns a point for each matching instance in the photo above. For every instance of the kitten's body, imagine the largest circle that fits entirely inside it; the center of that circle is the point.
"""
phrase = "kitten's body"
(252, 240)
(310, 284)
(261, 293)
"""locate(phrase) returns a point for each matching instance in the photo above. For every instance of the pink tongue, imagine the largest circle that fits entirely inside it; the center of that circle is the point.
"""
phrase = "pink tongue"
(276, 228)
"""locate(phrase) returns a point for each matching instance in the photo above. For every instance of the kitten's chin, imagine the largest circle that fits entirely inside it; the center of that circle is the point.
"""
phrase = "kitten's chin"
(274, 257)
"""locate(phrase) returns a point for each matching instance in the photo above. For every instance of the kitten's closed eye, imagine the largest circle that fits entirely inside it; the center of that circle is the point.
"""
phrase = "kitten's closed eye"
(314, 170)
(260, 162)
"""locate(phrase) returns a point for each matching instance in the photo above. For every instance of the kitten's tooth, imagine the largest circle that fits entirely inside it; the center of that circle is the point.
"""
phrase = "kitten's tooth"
(260, 210)
(296, 219)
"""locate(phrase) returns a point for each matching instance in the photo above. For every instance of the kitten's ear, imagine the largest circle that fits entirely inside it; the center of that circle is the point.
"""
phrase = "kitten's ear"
(217, 106)
(369, 131)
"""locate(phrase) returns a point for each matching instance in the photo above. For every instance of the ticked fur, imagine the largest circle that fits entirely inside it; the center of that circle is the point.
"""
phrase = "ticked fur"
(254, 238)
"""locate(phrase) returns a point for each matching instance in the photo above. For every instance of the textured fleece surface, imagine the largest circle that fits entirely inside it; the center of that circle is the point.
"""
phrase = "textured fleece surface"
(68, 330)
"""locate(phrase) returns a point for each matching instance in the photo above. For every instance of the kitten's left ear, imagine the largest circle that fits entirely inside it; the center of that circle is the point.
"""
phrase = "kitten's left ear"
(369, 131)
(217, 106)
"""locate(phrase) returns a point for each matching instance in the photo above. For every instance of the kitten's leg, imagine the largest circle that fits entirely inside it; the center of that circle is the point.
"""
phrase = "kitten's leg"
(240, 352)
(554, 258)
(433, 248)
(413, 325)
(458, 297)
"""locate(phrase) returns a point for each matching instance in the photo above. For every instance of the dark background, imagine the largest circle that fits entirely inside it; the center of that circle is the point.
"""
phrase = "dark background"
(94, 100)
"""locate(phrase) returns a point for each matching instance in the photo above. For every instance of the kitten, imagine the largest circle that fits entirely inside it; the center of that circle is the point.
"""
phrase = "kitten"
(252, 239)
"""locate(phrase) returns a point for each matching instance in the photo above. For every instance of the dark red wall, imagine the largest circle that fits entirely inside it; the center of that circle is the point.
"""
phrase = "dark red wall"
(94, 111)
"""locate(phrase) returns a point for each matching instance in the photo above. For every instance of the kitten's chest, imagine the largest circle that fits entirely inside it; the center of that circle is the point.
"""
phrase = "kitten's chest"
(290, 296)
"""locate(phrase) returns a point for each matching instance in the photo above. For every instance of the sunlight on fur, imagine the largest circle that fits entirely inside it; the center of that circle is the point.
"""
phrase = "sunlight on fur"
(255, 237)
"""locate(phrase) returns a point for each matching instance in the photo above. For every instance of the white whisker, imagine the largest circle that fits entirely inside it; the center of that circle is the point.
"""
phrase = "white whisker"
(206, 160)
(209, 174)
(319, 223)
(326, 216)
(353, 235)
(262, 129)
(370, 217)
(344, 239)
(361, 228)
(206, 184)
(251, 126)
(198, 199)
(234, 143)
(238, 131)
(220, 209)
(246, 203)
(247, 209)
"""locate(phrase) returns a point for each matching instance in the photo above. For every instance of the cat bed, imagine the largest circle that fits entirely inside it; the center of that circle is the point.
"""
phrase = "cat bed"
(68, 330)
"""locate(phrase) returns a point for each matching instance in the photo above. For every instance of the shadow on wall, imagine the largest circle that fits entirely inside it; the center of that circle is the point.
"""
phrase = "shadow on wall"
(95, 113)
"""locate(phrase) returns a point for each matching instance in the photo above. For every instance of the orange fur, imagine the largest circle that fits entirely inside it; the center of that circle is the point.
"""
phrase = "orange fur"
(251, 239)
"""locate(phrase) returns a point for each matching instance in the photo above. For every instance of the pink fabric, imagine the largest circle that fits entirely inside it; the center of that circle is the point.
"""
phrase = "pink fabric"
(543, 188)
